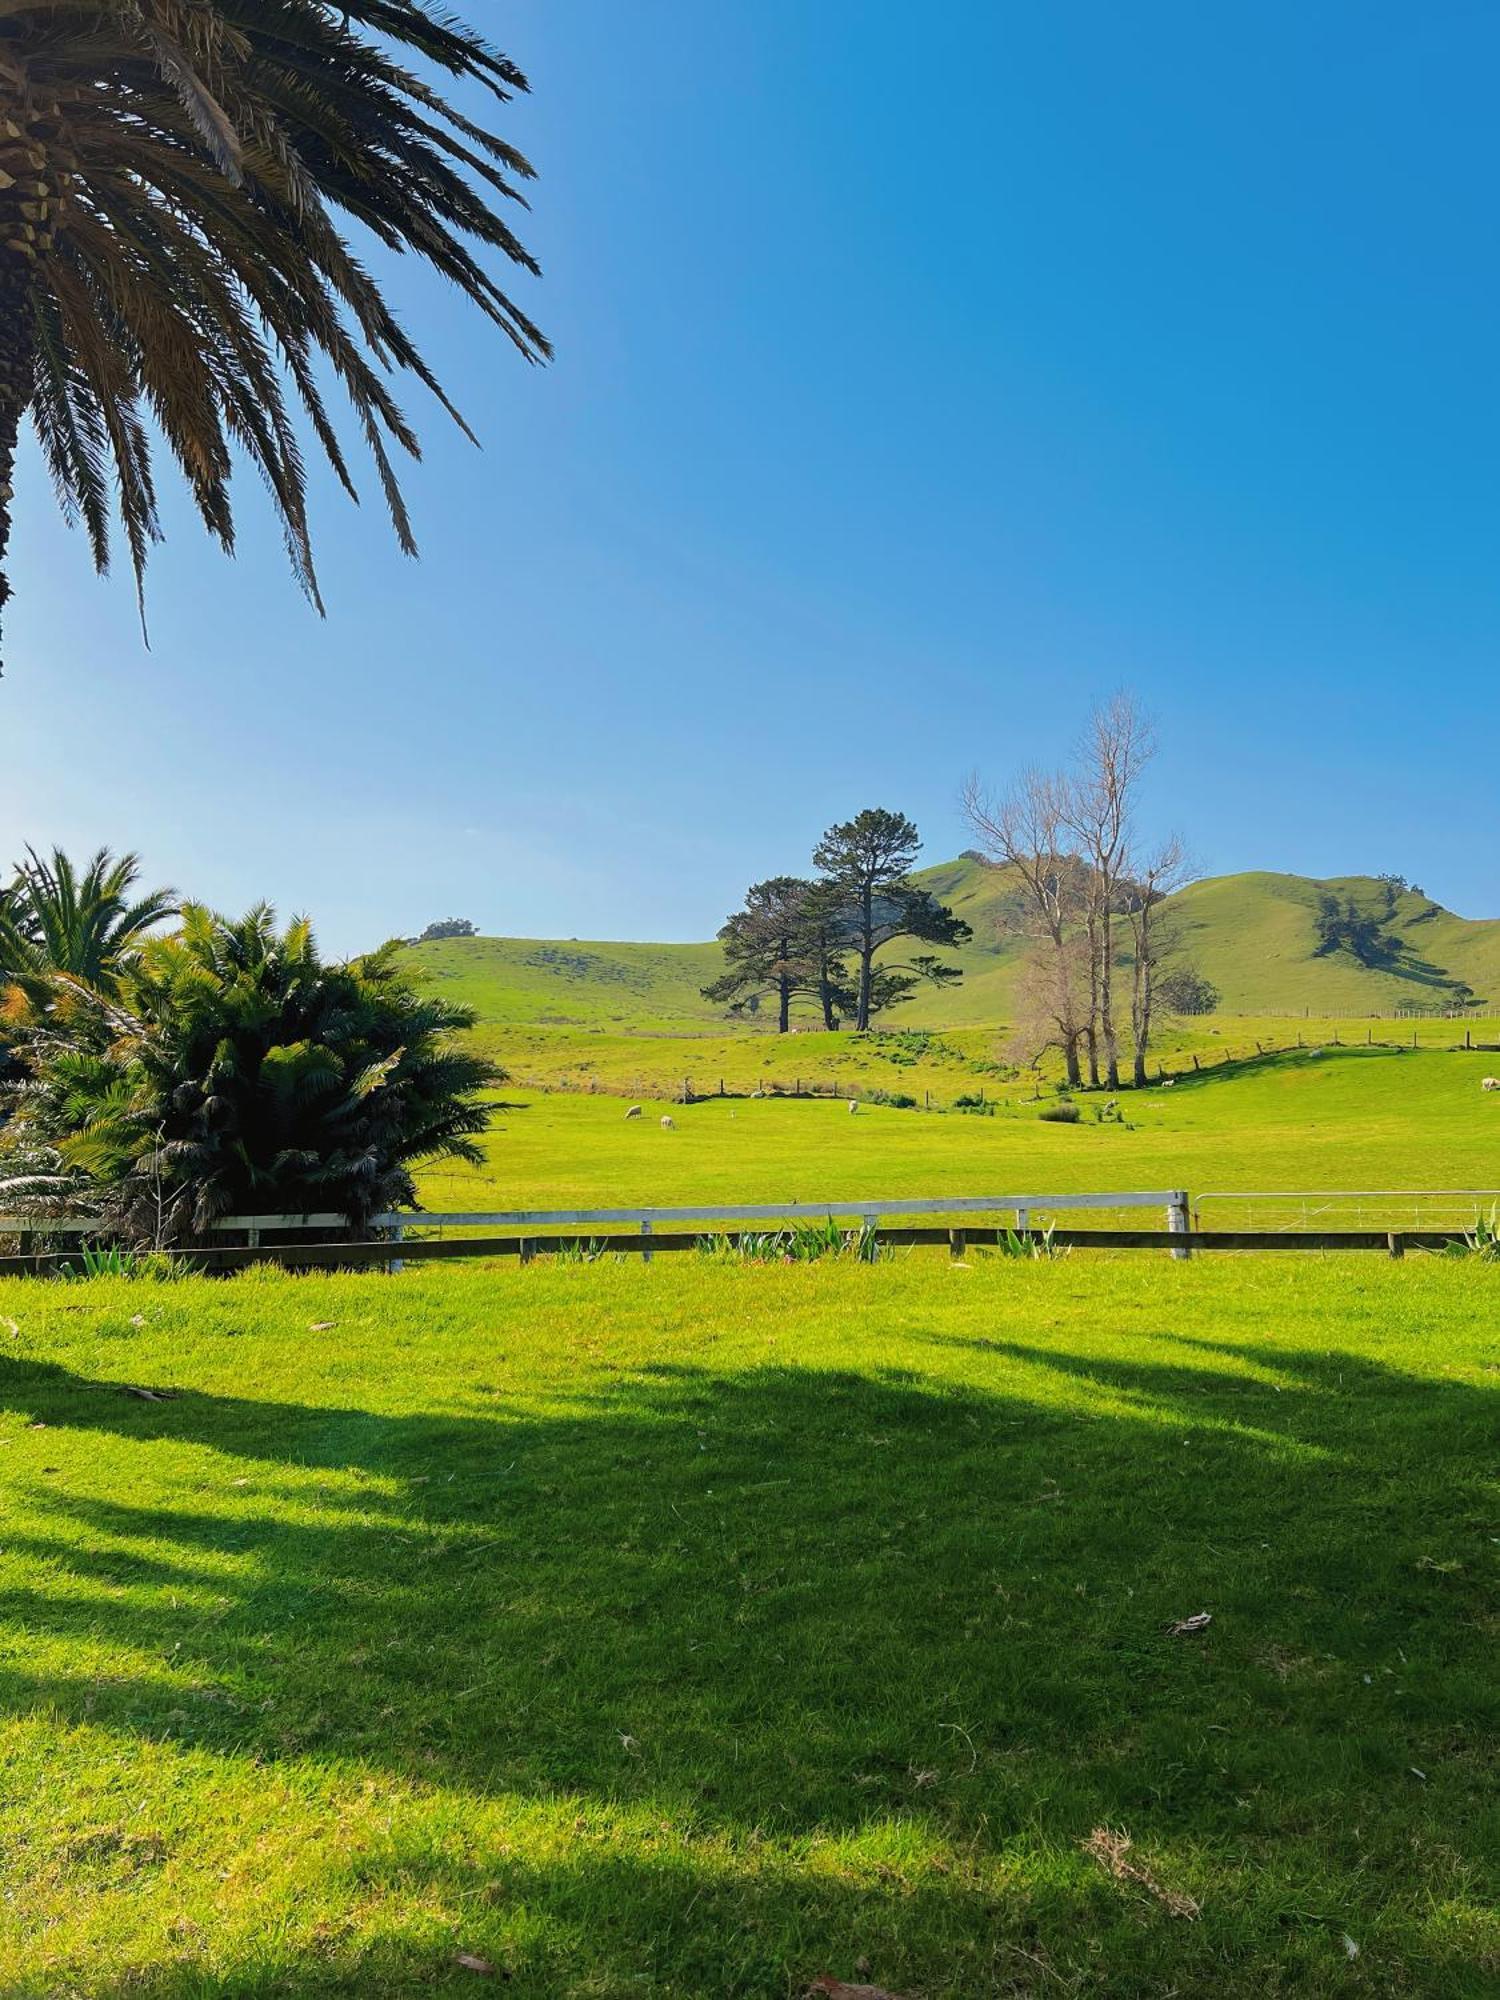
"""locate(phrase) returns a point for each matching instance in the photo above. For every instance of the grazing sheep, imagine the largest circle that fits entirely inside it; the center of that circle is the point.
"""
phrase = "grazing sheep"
(1491, 1083)
(1167, 1082)
(669, 1124)
(755, 1094)
(634, 1111)
(853, 1104)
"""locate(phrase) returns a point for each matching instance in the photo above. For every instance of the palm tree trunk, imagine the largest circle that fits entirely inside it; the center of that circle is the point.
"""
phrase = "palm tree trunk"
(16, 350)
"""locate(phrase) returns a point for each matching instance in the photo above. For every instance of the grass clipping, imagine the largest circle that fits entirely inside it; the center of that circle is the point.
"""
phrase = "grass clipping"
(1111, 1850)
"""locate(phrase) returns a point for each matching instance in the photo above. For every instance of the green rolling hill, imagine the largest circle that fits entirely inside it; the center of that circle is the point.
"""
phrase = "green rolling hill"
(1255, 936)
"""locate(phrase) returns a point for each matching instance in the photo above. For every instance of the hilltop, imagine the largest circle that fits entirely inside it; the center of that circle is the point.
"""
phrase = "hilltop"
(1256, 936)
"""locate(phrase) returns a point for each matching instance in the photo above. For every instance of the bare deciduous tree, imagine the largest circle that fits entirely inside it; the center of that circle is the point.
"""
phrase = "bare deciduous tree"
(1099, 804)
(1068, 839)
(1154, 937)
(1027, 832)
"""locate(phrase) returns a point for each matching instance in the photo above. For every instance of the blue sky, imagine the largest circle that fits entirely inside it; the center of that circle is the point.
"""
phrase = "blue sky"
(922, 372)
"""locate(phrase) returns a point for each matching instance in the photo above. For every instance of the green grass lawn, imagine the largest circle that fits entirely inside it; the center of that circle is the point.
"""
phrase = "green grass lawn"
(946, 1062)
(696, 1630)
(1345, 1119)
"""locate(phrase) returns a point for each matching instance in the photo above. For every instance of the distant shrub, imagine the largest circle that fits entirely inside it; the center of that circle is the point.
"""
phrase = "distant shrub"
(905, 1045)
(1185, 991)
(974, 1103)
(1059, 1114)
(447, 927)
(894, 1100)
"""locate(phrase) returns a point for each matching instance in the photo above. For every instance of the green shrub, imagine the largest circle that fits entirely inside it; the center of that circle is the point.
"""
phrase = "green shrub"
(238, 1074)
(975, 1104)
(1059, 1114)
(895, 1100)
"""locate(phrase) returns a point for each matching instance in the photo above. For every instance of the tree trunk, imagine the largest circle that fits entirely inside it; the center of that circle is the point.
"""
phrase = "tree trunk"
(1091, 1032)
(866, 961)
(1070, 1062)
(1107, 1004)
(784, 1003)
(16, 353)
(825, 995)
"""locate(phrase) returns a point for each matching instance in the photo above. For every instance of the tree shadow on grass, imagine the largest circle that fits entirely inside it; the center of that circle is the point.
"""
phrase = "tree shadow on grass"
(786, 1605)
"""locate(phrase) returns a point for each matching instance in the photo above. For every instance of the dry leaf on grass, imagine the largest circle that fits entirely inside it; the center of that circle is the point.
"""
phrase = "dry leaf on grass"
(150, 1395)
(322, 1325)
(1199, 1622)
(471, 1962)
(1111, 1850)
(840, 1989)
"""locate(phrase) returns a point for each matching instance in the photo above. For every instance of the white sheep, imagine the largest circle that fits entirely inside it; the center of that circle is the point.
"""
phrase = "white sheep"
(634, 1111)
(853, 1106)
(669, 1124)
(1491, 1083)
(1167, 1082)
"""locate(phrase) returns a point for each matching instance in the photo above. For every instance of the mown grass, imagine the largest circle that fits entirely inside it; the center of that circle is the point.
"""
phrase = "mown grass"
(1347, 1118)
(695, 1630)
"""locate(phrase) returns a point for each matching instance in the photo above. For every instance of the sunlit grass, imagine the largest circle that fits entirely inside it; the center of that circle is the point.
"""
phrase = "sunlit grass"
(696, 1629)
(1350, 1118)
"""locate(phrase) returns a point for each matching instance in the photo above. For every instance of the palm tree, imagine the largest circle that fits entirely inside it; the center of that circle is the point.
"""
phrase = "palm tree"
(239, 1074)
(169, 175)
(86, 925)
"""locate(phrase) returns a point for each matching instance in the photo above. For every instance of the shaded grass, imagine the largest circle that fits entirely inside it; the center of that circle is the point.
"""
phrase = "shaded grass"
(693, 1630)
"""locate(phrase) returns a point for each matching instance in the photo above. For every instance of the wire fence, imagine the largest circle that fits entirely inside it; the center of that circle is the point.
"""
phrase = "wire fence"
(1340, 1209)
(993, 1083)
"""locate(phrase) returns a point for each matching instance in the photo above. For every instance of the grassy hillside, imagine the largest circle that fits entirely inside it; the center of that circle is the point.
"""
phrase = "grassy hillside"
(642, 987)
(697, 1630)
(1255, 938)
(1253, 935)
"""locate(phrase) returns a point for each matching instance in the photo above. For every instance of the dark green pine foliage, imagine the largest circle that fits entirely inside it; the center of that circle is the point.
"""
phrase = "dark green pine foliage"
(867, 863)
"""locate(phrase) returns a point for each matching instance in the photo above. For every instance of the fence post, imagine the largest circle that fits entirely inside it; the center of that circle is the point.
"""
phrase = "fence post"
(1177, 1222)
(1023, 1221)
(396, 1266)
(957, 1244)
(646, 1243)
(1395, 1243)
(528, 1249)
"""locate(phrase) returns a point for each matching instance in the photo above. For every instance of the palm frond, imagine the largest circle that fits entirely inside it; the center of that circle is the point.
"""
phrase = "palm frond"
(173, 265)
